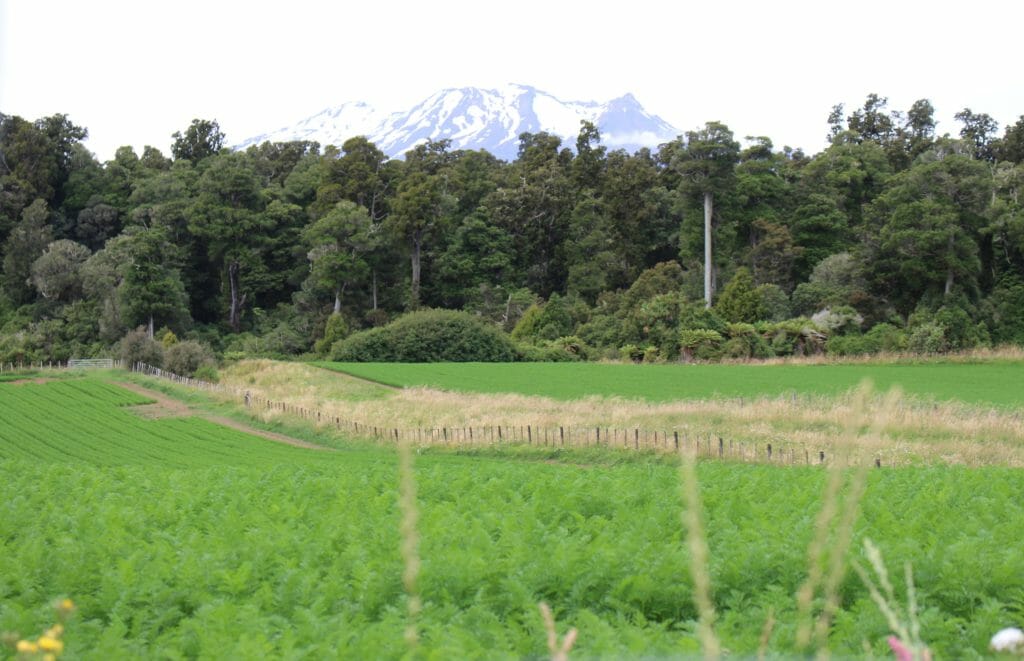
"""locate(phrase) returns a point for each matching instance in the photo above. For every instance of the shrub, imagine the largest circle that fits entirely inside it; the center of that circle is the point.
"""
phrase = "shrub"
(1005, 309)
(207, 373)
(632, 352)
(138, 347)
(695, 315)
(887, 337)
(556, 318)
(850, 345)
(167, 338)
(284, 340)
(796, 337)
(699, 343)
(550, 352)
(839, 320)
(187, 357)
(961, 331)
(336, 329)
(928, 337)
(573, 346)
(428, 336)
(740, 301)
(745, 342)
(774, 303)
(527, 325)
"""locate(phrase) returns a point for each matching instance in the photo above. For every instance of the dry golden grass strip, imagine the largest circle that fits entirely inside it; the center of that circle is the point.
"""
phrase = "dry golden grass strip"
(801, 427)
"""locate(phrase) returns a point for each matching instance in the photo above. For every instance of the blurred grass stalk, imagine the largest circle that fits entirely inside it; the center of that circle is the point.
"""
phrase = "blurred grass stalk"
(410, 539)
(698, 547)
(830, 543)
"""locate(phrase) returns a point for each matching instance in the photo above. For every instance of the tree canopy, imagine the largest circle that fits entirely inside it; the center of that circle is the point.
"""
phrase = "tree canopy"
(675, 251)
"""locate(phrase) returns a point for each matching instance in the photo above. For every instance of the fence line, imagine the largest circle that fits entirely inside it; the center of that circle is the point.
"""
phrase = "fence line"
(636, 439)
(73, 363)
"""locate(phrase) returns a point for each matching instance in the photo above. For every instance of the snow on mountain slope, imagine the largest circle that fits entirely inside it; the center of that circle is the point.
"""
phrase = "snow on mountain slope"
(474, 118)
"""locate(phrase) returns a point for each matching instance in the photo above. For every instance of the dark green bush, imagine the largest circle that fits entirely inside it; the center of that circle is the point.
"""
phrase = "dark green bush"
(549, 352)
(428, 336)
(887, 337)
(850, 345)
(1005, 310)
(745, 342)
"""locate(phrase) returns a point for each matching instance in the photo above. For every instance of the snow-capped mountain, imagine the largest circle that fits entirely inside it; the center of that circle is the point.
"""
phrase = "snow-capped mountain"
(474, 118)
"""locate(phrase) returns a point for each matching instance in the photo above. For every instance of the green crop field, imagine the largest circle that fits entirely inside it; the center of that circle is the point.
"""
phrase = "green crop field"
(86, 420)
(998, 383)
(190, 540)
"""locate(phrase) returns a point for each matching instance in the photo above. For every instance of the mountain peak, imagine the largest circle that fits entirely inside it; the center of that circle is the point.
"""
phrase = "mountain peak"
(475, 118)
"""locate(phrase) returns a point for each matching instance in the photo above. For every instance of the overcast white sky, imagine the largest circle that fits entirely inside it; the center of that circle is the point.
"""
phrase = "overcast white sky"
(133, 72)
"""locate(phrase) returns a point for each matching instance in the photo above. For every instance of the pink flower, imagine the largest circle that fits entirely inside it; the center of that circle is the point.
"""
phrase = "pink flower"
(900, 650)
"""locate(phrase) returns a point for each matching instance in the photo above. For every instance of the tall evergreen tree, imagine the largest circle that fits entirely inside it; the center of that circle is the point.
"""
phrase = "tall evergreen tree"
(706, 166)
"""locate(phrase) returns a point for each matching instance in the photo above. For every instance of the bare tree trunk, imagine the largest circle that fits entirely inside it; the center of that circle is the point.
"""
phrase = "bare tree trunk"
(235, 314)
(708, 285)
(949, 269)
(415, 300)
(337, 300)
(149, 329)
(508, 312)
(374, 290)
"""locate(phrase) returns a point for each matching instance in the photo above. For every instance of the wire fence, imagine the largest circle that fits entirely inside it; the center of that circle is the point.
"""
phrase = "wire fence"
(636, 439)
(73, 363)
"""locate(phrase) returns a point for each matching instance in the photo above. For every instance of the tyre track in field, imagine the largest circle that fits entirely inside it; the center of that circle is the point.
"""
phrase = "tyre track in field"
(167, 407)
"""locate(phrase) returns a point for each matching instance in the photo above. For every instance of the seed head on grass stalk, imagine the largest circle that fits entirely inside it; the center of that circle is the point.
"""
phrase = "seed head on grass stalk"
(906, 644)
(410, 538)
(698, 547)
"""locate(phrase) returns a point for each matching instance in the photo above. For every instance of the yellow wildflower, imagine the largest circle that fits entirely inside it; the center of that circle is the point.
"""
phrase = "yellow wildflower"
(48, 644)
(49, 657)
(65, 605)
(27, 647)
(55, 631)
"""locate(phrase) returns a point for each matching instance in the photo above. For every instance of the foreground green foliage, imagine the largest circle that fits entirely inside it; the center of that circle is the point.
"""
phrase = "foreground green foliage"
(986, 383)
(266, 555)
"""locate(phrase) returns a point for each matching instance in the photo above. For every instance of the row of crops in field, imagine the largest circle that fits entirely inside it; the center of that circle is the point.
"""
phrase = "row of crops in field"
(987, 383)
(292, 553)
(87, 420)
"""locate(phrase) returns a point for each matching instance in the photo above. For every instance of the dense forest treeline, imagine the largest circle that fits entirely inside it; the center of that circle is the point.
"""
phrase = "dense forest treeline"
(892, 237)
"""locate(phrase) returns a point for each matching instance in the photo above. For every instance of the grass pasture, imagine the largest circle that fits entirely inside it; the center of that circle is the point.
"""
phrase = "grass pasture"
(989, 383)
(266, 551)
